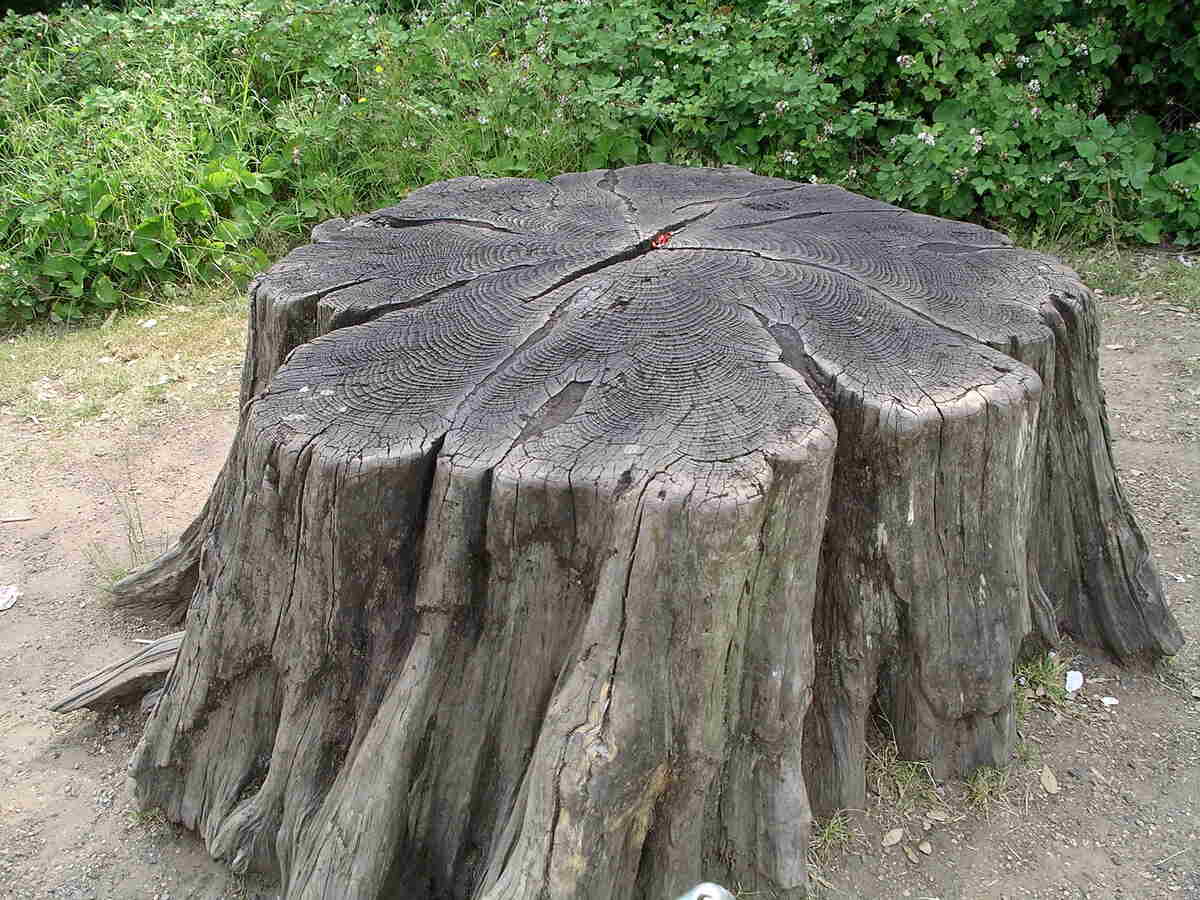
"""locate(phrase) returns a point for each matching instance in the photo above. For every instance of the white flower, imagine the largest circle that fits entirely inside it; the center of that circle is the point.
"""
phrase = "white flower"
(926, 138)
(1035, 87)
(1036, 112)
(781, 107)
(927, 19)
(789, 158)
(482, 119)
(904, 61)
(1022, 62)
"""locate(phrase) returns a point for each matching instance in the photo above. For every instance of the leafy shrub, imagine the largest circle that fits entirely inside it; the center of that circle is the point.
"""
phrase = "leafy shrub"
(1082, 117)
(177, 142)
(193, 140)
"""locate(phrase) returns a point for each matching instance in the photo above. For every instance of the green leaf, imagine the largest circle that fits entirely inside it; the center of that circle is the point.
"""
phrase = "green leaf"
(1150, 231)
(950, 111)
(153, 239)
(1186, 172)
(106, 293)
(1089, 150)
(82, 226)
(220, 181)
(128, 262)
(232, 231)
(63, 267)
(1146, 127)
(194, 209)
(102, 204)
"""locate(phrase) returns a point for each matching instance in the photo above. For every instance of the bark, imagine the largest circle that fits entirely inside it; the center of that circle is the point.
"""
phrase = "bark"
(139, 674)
(554, 507)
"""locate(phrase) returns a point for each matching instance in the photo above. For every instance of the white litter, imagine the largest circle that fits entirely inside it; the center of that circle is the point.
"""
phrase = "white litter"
(1074, 681)
(1109, 701)
(707, 891)
(8, 596)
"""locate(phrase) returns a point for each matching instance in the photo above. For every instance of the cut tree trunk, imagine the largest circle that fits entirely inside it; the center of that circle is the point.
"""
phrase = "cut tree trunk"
(572, 529)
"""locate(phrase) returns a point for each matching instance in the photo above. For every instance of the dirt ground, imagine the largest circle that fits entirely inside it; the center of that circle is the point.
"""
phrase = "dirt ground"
(1125, 821)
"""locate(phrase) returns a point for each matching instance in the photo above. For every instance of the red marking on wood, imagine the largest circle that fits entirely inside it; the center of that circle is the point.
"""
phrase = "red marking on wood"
(660, 239)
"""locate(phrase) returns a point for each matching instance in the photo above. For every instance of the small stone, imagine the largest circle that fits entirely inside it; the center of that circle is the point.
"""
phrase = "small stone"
(925, 847)
(893, 837)
(1049, 782)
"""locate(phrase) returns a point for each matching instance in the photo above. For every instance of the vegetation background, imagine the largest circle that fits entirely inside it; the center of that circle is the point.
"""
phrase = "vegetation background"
(143, 146)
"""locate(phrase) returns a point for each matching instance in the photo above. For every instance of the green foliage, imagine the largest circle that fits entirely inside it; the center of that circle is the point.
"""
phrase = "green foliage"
(1082, 115)
(179, 141)
(175, 142)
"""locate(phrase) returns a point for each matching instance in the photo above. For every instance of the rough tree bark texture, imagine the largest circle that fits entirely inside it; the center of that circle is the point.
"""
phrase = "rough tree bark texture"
(554, 507)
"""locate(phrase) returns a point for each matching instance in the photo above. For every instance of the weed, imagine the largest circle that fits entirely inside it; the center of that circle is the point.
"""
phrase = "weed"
(138, 550)
(831, 836)
(907, 784)
(183, 142)
(1042, 679)
(987, 787)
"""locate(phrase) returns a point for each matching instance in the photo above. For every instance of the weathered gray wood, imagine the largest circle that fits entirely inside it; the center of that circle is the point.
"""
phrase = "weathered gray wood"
(138, 674)
(554, 507)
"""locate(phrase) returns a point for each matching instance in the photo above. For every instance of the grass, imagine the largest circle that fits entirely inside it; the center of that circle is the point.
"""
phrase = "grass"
(832, 836)
(128, 369)
(1151, 276)
(184, 143)
(1043, 677)
(906, 784)
(987, 787)
(138, 549)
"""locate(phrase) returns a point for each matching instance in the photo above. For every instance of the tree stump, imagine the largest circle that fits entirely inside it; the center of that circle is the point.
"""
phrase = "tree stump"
(572, 529)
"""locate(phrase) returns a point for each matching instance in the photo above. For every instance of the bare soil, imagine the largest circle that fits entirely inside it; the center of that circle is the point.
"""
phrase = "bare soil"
(1125, 821)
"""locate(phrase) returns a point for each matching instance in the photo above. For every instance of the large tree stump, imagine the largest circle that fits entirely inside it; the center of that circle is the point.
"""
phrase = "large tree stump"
(554, 505)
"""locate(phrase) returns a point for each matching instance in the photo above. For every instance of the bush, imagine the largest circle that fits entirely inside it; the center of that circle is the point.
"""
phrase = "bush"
(191, 141)
(178, 142)
(1079, 117)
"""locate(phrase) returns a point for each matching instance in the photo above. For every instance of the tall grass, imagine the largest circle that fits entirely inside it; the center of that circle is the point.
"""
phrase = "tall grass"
(189, 141)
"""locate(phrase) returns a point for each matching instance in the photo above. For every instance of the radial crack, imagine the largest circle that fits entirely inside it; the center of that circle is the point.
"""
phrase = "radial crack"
(387, 220)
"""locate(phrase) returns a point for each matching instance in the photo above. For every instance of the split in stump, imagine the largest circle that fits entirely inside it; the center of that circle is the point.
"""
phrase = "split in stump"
(572, 529)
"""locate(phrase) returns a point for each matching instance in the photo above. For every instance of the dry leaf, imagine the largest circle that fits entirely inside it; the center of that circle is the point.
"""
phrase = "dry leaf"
(925, 847)
(908, 851)
(938, 815)
(1049, 782)
(893, 837)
